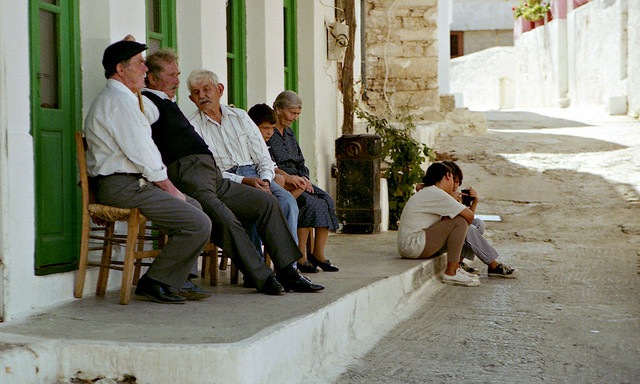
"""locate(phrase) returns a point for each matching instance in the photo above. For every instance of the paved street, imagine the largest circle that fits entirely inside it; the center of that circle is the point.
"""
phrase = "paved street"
(567, 185)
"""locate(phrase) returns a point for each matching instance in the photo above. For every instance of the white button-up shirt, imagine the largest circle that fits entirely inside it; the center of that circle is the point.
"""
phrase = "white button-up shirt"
(119, 136)
(151, 110)
(235, 142)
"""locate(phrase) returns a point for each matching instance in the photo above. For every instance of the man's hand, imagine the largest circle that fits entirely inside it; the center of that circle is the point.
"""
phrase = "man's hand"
(168, 186)
(256, 183)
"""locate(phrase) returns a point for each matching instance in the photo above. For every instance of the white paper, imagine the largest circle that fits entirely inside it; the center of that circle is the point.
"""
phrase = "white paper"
(489, 217)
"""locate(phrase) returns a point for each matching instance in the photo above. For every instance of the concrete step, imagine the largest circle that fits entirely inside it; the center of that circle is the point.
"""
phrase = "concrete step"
(237, 335)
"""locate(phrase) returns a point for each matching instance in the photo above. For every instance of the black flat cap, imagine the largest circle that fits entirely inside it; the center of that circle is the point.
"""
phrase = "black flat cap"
(119, 52)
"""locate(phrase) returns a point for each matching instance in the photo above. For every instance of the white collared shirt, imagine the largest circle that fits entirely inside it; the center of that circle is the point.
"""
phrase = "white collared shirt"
(151, 111)
(119, 136)
(235, 142)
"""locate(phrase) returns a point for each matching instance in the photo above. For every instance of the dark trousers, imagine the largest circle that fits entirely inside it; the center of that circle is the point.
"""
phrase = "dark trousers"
(187, 226)
(229, 205)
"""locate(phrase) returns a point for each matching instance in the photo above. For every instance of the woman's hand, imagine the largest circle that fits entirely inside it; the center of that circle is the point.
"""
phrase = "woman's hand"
(297, 181)
(308, 185)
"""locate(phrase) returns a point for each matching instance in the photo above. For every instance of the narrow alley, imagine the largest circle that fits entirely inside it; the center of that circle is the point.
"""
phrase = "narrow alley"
(566, 184)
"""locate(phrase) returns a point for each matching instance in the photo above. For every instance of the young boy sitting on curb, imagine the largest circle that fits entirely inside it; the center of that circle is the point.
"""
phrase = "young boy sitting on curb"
(432, 220)
(475, 244)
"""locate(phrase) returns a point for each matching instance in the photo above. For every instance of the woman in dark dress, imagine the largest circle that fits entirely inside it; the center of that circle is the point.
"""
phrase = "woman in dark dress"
(317, 209)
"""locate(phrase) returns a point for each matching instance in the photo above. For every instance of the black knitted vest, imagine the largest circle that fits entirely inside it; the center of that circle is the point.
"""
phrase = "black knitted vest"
(173, 134)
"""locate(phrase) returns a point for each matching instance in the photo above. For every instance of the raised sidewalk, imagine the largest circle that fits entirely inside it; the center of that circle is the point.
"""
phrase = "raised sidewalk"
(236, 336)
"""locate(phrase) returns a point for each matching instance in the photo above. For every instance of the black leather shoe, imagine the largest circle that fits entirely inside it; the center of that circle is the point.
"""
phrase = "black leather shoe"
(306, 267)
(324, 265)
(299, 284)
(157, 291)
(272, 286)
(248, 283)
(190, 291)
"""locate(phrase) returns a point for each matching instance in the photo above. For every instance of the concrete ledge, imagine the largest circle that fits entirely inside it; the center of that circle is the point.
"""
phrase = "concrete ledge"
(311, 347)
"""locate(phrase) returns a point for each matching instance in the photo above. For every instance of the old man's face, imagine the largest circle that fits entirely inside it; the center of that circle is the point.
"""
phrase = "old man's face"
(168, 80)
(206, 95)
(132, 73)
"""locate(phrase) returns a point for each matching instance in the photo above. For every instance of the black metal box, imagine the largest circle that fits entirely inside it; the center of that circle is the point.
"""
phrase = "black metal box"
(358, 183)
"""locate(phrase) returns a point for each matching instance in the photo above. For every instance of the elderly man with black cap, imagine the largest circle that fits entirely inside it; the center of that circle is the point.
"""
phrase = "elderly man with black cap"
(128, 167)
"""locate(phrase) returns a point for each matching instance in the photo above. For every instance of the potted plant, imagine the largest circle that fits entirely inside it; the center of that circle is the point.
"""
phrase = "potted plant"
(532, 10)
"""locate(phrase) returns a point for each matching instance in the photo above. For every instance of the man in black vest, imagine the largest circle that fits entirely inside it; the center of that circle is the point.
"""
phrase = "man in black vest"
(229, 205)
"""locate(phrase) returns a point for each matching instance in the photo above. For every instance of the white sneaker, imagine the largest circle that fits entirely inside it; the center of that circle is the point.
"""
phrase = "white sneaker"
(460, 279)
(468, 274)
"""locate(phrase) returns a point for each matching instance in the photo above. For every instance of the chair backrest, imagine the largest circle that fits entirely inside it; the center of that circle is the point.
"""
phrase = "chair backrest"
(87, 194)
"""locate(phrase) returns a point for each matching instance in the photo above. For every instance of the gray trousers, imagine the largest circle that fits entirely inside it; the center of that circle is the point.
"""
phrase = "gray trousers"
(229, 205)
(476, 245)
(186, 225)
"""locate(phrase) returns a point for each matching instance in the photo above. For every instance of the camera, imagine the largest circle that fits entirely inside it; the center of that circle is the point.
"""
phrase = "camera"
(467, 199)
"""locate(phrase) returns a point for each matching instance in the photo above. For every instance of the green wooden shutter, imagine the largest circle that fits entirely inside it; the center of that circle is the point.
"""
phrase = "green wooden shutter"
(55, 99)
(236, 54)
(291, 50)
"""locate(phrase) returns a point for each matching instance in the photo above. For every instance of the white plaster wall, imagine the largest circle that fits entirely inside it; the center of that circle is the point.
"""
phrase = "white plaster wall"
(470, 15)
(4, 124)
(633, 59)
(317, 88)
(445, 15)
(481, 76)
(265, 51)
(534, 68)
(202, 43)
(101, 24)
(18, 199)
(595, 33)
(542, 79)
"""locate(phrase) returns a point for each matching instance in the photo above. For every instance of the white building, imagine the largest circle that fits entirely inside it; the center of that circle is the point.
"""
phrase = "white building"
(50, 72)
(480, 24)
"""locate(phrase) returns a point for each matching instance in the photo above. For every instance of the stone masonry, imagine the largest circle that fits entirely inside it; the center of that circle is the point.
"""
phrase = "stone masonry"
(402, 56)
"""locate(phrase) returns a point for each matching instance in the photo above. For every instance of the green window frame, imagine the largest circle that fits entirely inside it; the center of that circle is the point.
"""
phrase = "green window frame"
(161, 24)
(237, 53)
(291, 50)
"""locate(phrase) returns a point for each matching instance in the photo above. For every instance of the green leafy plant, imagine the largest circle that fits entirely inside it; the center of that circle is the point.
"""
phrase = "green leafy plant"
(532, 10)
(403, 154)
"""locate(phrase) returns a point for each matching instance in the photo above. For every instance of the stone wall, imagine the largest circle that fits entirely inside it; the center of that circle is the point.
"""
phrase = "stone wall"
(402, 56)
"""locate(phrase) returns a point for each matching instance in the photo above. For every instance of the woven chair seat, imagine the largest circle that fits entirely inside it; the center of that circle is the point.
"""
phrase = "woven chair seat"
(109, 213)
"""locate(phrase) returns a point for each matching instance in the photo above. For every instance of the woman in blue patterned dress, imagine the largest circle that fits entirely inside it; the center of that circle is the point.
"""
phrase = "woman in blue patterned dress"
(317, 209)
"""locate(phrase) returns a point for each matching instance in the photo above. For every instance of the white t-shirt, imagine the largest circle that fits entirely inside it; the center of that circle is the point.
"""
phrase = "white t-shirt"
(423, 210)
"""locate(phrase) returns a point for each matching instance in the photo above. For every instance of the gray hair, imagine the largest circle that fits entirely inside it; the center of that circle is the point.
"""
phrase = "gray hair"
(197, 75)
(287, 99)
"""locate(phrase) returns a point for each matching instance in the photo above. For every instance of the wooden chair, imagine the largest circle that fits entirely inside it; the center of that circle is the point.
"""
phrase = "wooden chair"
(134, 240)
(210, 255)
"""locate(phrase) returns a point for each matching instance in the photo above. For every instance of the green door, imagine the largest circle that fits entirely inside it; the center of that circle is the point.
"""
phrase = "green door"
(291, 50)
(236, 54)
(55, 116)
